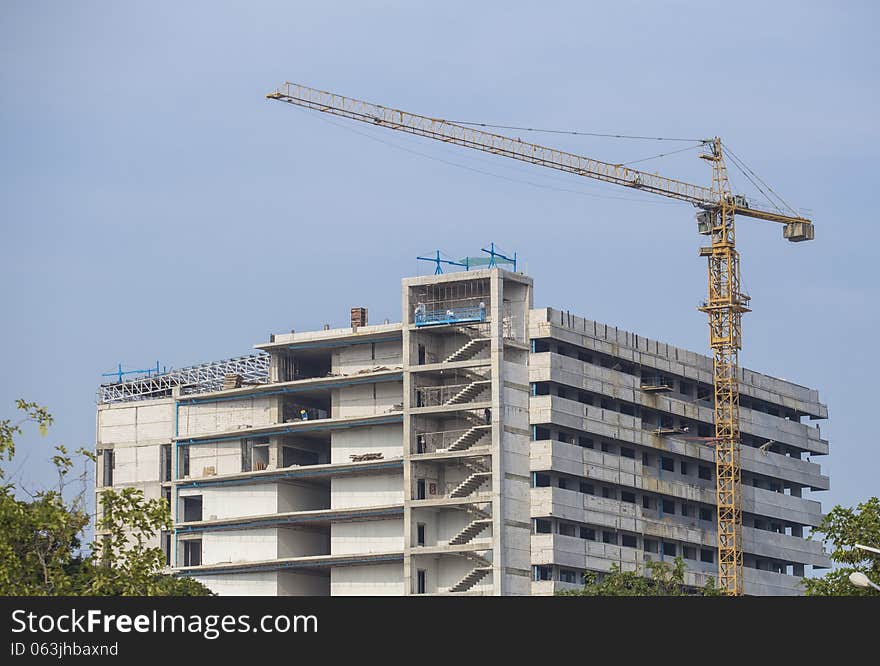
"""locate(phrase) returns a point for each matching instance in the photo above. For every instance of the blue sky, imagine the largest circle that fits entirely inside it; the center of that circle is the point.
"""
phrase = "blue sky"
(157, 207)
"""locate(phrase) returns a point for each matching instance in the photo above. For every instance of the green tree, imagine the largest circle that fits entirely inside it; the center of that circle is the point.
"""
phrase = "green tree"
(124, 564)
(40, 543)
(663, 580)
(842, 528)
(39, 537)
(41, 549)
(8, 430)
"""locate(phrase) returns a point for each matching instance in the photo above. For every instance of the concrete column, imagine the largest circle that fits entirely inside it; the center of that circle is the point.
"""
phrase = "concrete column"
(408, 439)
(275, 454)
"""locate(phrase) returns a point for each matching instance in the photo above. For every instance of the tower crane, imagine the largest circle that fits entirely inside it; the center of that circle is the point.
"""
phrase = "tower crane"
(725, 304)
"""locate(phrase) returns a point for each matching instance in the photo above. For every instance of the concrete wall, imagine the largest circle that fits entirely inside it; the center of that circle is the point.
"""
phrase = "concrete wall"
(514, 500)
(135, 431)
(367, 580)
(374, 536)
(366, 490)
(384, 439)
(308, 584)
(301, 496)
(251, 545)
(259, 544)
(366, 399)
(219, 502)
(214, 417)
(258, 584)
(213, 458)
(259, 499)
(303, 542)
(268, 584)
(366, 356)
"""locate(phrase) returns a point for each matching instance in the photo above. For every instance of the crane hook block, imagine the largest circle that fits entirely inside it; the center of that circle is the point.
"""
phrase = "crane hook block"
(799, 231)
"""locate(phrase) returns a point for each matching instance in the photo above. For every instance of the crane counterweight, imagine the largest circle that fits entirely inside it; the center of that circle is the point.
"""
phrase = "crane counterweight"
(798, 231)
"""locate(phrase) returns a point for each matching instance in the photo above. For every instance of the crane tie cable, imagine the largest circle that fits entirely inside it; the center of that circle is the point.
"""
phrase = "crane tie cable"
(654, 157)
(576, 133)
(742, 166)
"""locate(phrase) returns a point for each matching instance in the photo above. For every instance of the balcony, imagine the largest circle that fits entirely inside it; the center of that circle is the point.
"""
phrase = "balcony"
(616, 385)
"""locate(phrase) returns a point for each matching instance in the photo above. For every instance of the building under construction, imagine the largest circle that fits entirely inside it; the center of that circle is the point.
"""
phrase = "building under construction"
(479, 447)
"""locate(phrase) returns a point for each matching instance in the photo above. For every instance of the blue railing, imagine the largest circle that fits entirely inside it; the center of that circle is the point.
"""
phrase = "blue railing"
(450, 316)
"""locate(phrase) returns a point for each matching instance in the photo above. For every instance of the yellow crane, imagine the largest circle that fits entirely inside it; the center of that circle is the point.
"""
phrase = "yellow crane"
(725, 303)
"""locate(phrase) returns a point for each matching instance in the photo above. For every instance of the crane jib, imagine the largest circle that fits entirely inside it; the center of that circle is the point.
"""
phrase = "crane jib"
(498, 144)
(797, 228)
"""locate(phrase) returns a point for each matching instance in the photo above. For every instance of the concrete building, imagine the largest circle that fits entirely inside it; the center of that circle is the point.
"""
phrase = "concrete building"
(479, 447)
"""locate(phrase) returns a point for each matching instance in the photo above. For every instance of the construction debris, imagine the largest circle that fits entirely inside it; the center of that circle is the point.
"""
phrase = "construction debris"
(364, 457)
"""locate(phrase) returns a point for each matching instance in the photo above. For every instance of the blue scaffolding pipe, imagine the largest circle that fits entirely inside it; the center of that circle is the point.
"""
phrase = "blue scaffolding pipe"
(465, 263)
(119, 373)
(497, 257)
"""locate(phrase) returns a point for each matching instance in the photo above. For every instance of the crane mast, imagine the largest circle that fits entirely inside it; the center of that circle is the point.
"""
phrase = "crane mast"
(724, 306)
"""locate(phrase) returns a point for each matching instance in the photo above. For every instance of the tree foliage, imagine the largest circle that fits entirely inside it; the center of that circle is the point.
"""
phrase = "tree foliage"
(662, 580)
(39, 543)
(9, 429)
(842, 528)
(41, 533)
(127, 565)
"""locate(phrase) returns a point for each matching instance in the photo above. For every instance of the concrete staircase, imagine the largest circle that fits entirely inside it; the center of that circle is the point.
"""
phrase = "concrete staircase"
(472, 331)
(471, 579)
(469, 350)
(469, 392)
(470, 484)
(469, 437)
(474, 419)
(475, 466)
(477, 512)
(474, 528)
(480, 519)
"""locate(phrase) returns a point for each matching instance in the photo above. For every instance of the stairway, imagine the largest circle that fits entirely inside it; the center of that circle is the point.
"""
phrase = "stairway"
(474, 419)
(469, 392)
(474, 528)
(476, 466)
(470, 484)
(469, 350)
(471, 579)
(470, 437)
(476, 511)
(472, 331)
